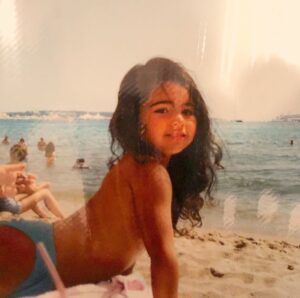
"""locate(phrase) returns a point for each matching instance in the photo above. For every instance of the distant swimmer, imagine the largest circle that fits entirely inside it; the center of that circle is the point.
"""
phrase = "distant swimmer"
(291, 142)
(5, 140)
(41, 144)
(17, 154)
(79, 164)
(50, 153)
(23, 144)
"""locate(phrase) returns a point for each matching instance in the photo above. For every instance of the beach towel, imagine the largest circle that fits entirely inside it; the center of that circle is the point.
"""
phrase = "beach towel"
(130, 286)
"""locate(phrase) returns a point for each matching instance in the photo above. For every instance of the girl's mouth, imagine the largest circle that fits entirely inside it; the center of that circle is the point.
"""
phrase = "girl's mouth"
(176, 135)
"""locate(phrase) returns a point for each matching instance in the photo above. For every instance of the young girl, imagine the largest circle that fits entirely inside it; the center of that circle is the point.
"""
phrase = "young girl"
(163, 158)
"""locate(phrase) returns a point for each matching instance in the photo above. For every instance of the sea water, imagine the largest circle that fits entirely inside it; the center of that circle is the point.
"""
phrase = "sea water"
(258, 191)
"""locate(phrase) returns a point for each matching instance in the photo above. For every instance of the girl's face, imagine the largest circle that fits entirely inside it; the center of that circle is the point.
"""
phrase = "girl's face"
(169, 119)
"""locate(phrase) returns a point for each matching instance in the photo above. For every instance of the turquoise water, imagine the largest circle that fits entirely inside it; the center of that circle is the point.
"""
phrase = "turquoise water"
(258, 191)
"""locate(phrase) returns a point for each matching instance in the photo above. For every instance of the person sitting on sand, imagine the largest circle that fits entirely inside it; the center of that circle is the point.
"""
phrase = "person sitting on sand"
(79, 164)
(27, 197)
(28, 194)
(162, 159)
(41, 144)
(5, 140)
(50, 153)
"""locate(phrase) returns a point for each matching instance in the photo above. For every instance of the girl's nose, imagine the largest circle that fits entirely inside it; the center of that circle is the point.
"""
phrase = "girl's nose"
(177, 122)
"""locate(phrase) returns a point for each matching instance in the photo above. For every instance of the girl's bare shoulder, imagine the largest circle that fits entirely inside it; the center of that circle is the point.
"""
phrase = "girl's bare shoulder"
(150, 171)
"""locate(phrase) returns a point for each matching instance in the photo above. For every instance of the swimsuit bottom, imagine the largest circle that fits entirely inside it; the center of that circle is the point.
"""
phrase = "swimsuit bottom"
(10, 205)
(39, 280)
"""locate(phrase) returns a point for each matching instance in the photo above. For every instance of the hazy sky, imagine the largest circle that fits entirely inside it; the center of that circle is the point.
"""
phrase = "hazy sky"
(72, 54)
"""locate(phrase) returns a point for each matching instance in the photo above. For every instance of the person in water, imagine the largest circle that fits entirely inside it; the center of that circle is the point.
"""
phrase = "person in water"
(5, 140)
(50, 153)
(80, 164)
(22, 143)
(41, 144)
(17, 154)
(162, 164)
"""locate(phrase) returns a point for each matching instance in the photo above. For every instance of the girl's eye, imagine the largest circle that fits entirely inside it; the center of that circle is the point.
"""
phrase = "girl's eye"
(161, 110)
(188, 112)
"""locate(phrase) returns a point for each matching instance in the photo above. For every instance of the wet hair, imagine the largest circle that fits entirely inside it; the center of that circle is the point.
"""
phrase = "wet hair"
(80, 160)
(192, 171)
(49, 149)
(17, 153)
(22, 140)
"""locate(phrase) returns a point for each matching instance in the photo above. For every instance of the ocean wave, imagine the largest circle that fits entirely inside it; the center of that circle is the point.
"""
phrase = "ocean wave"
(67, 116)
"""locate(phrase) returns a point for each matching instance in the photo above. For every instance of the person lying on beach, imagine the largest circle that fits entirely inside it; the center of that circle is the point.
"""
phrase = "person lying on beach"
(79, 164)
(163, 156)
(5, 140)
(41, 144)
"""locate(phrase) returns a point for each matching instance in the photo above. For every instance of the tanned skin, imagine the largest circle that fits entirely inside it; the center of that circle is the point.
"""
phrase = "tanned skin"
(130, 212)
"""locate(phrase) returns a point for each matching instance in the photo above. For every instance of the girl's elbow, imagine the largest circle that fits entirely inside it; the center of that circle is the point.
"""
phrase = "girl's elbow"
(166, 259)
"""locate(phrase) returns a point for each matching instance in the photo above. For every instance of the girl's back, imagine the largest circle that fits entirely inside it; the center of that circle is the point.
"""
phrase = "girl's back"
(113, 237)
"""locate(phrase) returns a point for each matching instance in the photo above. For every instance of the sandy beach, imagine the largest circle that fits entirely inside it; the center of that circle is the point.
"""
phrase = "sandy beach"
(215, 263)
(219, 263)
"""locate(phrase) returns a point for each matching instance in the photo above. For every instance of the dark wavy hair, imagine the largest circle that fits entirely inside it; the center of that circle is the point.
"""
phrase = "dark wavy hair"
(192, 171)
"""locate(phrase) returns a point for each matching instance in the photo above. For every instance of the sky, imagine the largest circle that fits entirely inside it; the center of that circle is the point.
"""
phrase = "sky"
(72, 54)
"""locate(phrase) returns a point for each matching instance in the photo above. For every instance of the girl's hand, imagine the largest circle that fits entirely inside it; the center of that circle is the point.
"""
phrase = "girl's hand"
(8, 175)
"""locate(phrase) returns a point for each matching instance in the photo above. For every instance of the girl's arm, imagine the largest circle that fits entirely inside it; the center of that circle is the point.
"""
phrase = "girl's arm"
(153, 197)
